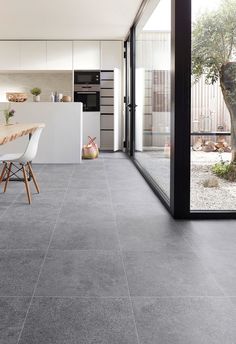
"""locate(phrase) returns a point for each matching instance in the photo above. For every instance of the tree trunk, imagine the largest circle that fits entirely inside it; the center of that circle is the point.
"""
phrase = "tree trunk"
(228, 87)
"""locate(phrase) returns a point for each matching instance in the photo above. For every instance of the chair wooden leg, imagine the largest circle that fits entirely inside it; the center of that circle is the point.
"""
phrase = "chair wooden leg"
(8, 177)
(33, 177)
(3, 172)
(26, 184)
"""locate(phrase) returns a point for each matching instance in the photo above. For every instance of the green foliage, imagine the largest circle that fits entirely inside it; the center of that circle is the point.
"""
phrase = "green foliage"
(213, 41)
(35, 91)
(225, 170)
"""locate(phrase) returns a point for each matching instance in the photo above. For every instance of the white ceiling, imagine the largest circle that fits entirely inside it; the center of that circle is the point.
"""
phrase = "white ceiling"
(67, 19)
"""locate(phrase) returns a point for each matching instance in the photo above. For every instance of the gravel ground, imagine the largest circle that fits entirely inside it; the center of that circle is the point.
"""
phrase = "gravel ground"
(222, 197)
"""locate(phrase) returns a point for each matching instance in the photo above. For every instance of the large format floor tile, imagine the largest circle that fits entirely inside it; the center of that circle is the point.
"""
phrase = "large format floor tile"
(79, 321)
(82, 273)
(168, 274)
(94, 236)
(86, 213)
(222, 265)
(20, 211)
(12, 315)
(151, 235)
(25, 235)
(109, 237)
(19, 271)
(212, 234)
(185, 320)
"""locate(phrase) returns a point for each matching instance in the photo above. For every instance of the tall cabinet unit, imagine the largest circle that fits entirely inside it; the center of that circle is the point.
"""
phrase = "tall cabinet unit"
(107, 110)
(111, 91)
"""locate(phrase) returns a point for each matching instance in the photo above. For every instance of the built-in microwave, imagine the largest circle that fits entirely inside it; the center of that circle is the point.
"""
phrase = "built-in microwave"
(89, 95)
(86, 77)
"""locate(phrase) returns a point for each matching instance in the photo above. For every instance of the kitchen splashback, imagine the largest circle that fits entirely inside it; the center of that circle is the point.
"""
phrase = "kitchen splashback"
(24, 82)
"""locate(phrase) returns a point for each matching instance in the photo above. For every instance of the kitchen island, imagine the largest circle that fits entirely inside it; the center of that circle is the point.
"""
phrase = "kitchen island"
(62, 137)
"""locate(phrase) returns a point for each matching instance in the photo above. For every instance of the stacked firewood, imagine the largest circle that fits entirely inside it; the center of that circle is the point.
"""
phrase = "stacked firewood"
(220, 146)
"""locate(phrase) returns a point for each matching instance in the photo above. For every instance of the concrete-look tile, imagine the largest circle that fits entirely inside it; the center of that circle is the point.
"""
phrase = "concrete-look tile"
(4, 206)
(121, 196)
(222, 265)
(53, 196)
(19, 271)
(88, 196)
(82, 273)
(74, 236)
(86, 213)
(215, 234)
(139, 211)
(24, 235)
(168, 274)
(12, 314)
(147, 235)
(79, 321)
(185, 320)
(88, 183)
(35, 211)
(113, 155)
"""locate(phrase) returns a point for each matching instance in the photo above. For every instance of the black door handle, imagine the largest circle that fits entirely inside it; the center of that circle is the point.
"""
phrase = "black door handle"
(130, 106)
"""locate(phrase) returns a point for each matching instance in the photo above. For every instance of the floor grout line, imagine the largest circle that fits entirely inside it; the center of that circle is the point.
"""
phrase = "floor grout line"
(44, 259)
(121, 254)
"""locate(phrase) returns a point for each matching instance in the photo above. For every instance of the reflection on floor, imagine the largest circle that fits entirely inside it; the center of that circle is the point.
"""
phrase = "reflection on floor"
(97, 259)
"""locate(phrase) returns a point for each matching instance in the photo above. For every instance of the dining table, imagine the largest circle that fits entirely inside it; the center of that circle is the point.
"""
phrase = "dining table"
(11, 132)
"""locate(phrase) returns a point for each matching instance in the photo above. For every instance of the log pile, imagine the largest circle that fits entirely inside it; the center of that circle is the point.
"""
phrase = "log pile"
(220, 146)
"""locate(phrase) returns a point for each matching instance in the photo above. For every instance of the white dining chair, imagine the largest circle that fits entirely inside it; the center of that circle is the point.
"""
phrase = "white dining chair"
(24, 161)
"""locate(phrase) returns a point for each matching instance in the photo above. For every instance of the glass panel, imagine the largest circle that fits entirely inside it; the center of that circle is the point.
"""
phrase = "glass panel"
(213, 176)
(153, 61)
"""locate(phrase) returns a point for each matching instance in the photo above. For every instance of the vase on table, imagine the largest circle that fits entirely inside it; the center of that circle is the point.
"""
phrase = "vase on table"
(36, 98)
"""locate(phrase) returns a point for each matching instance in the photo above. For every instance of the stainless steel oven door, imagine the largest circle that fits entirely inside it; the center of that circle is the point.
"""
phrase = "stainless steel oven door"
(89, 96)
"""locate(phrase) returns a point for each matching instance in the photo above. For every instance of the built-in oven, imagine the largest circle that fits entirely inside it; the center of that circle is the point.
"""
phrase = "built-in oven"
(86, 77)
(89, 95)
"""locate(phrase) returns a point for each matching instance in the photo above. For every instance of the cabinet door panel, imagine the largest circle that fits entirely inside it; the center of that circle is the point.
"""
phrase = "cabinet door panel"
(9, 55)
(111, 54)
(59, 55)
(87, 55)
(33, 55)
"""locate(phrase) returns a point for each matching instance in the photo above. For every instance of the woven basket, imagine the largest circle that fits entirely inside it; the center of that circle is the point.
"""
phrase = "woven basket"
(16, 96)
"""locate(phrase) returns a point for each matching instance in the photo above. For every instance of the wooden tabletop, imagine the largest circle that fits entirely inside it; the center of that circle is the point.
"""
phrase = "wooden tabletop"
(13, 131)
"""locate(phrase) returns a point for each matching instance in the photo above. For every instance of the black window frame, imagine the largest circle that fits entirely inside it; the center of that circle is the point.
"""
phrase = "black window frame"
(179, 203)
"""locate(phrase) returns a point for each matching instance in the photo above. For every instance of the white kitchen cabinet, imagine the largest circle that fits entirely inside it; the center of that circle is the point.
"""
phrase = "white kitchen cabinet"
(86, 55)
(33, 55)
(111, 54)
(91, 127)
(9, 55)
(59, 55)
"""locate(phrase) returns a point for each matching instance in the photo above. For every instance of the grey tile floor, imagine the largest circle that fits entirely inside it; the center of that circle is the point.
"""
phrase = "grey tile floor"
(96, 259)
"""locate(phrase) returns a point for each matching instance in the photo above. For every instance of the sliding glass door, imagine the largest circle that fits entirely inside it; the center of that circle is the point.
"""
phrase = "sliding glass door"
(153, 90)
(181, 81)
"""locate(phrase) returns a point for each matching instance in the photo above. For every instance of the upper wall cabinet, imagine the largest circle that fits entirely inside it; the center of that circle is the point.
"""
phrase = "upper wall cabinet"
(33, 55)
(111, 54)
(86, 55)
(59, 55)
(9, 55)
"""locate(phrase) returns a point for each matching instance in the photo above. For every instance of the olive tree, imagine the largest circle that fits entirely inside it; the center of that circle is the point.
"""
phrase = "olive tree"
(214, 55)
